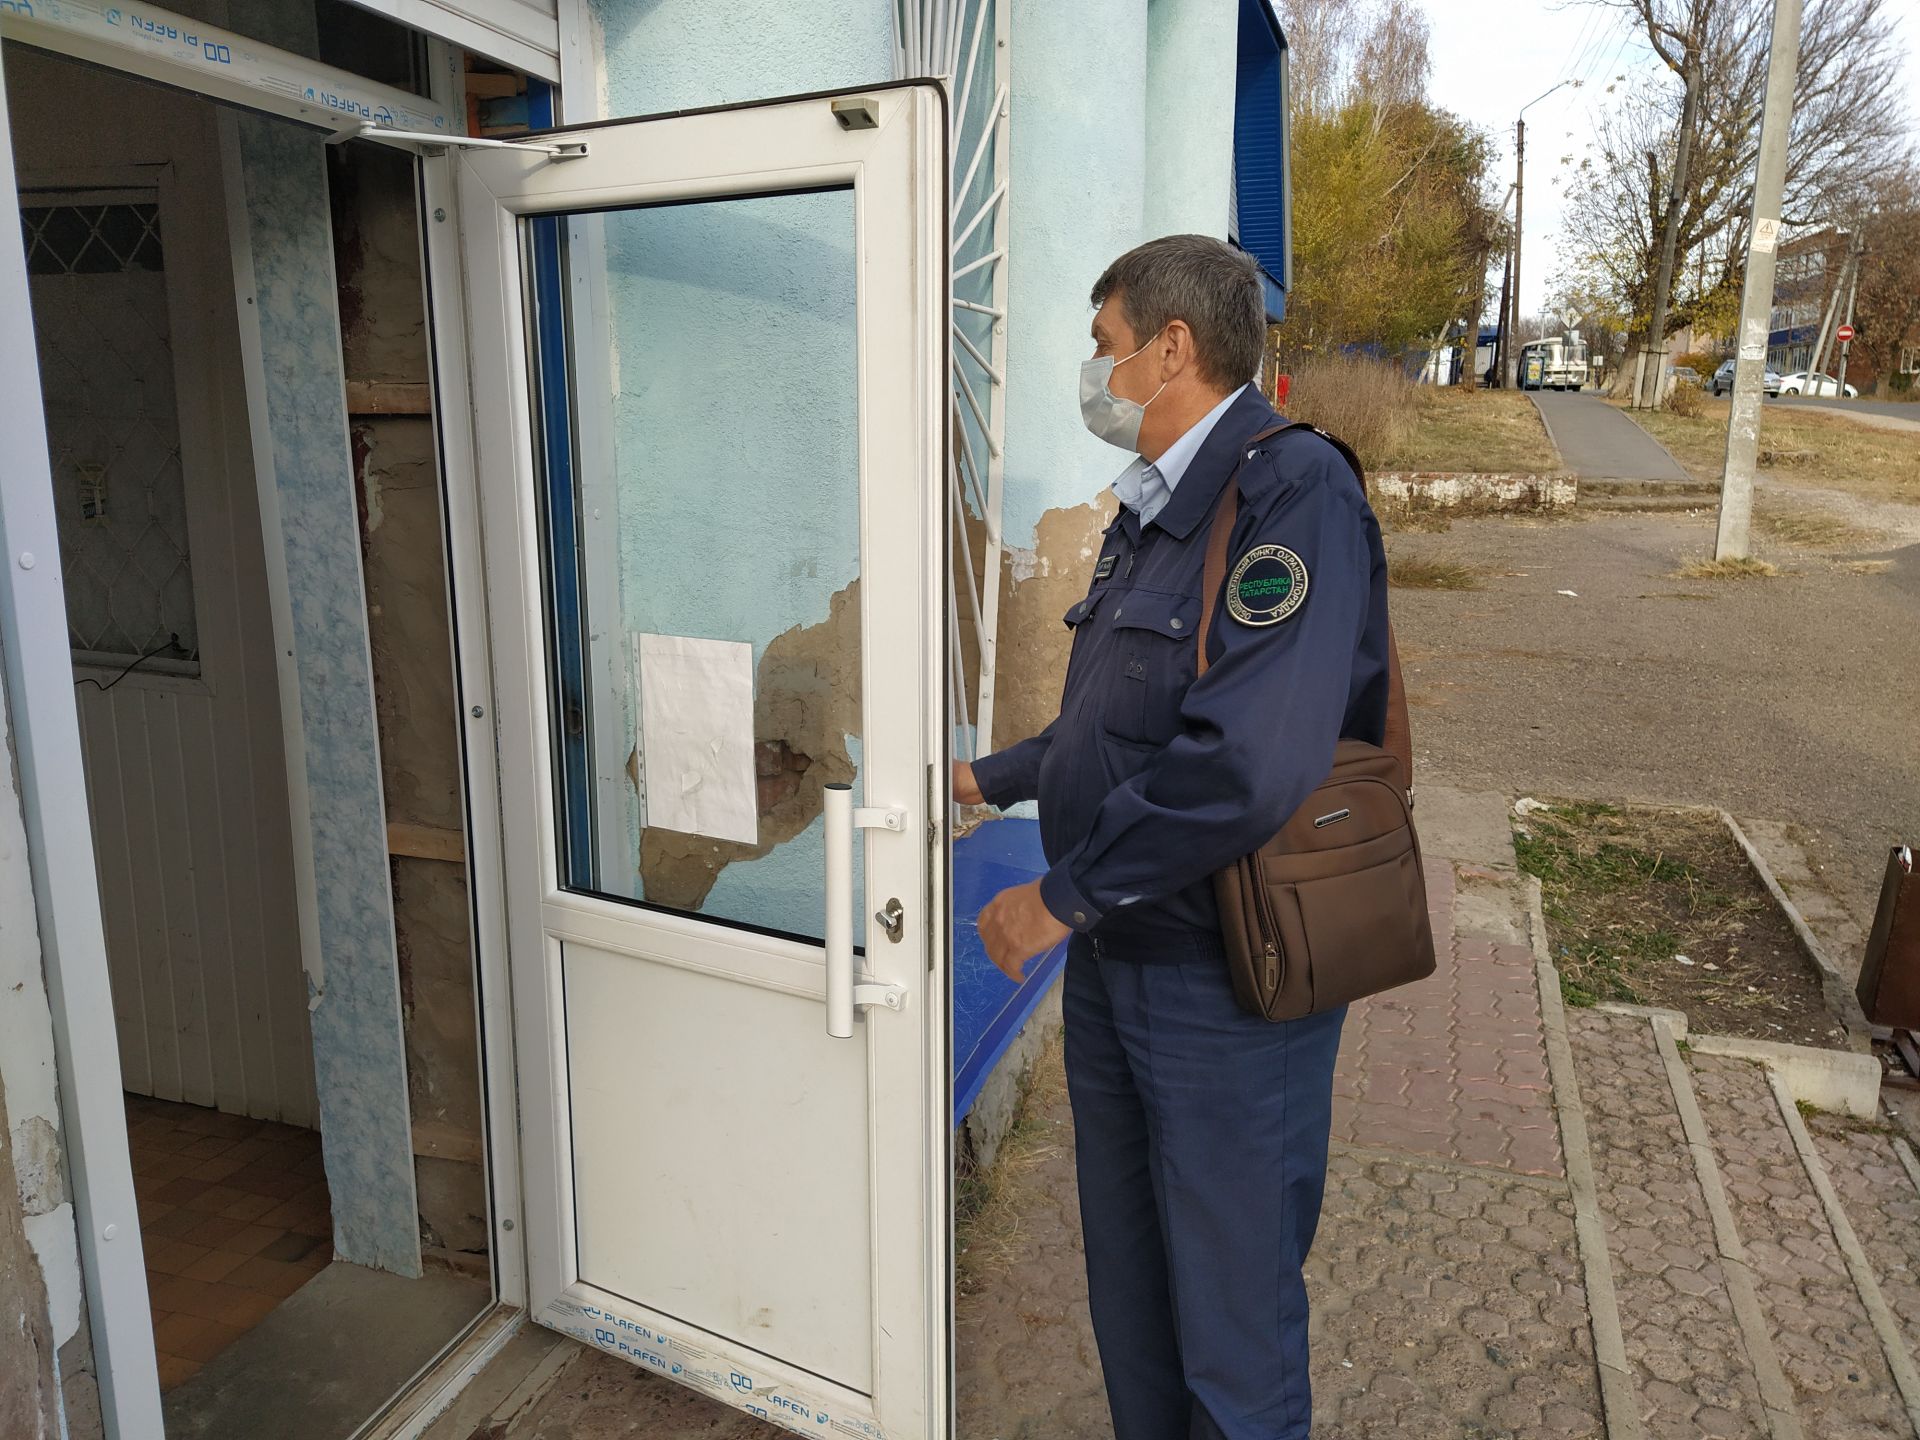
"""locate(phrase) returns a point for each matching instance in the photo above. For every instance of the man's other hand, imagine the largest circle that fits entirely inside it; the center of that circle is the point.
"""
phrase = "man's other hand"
(1016, 926)
(966, 790)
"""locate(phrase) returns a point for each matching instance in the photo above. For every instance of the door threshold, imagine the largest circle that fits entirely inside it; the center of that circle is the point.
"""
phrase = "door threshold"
(436, 1388)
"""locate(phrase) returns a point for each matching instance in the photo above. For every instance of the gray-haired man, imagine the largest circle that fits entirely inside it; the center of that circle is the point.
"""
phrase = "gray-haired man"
(1201, 1131)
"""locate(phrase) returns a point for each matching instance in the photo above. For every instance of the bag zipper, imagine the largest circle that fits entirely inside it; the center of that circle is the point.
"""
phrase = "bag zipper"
(1269, 928)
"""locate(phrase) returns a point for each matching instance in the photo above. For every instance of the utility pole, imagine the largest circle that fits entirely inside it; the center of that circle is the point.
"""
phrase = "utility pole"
(1519, 234)
(1829, 320)
(1670, 232)
(1502, 345)
(1520, 211)
(1731, 541)
(1853, 290)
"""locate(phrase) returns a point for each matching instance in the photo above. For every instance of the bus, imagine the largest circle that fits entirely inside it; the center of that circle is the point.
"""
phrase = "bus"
(1558, 362)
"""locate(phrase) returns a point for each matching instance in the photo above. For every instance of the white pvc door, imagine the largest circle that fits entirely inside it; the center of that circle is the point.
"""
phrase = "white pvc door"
(708, 360)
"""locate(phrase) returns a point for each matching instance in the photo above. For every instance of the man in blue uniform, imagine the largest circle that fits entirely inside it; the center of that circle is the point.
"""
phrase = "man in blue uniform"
(1201, 1130)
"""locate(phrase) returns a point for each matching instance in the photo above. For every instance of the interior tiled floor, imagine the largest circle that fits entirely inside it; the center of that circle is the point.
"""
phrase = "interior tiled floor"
(235, 1217)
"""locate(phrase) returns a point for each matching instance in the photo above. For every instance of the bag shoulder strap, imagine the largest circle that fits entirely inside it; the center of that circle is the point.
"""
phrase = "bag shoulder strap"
(1397, 740)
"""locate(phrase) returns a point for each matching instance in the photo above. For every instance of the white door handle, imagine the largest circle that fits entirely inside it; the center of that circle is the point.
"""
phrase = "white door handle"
(843, 995)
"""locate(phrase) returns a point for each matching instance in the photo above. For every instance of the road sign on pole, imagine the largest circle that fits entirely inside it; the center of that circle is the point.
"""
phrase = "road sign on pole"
(1844, 333)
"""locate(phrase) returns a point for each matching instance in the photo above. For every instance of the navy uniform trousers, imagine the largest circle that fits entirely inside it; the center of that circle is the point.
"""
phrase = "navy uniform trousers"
(1201, 1135)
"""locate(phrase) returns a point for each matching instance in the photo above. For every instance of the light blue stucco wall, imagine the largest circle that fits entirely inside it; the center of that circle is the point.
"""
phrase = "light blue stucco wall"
(359, 1052)
(1079, 200)
(678, 54)
(1191, 48)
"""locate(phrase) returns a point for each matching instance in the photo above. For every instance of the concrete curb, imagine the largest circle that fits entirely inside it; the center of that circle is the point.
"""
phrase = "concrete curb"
(1842, 1081)
(1835, 989)
(1885, 1326)
(1908, 1160)
(1618, 1395)
(1473, 490)
(1625, 485)
(1776, 1395)
(1676, 1019)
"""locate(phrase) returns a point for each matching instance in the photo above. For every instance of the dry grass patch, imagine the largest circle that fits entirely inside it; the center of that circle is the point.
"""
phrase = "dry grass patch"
(1811, 529)
(1412, 572)
(989, 1203)
(1745, 567)
(1462, 430)
(1367, 403)
(1805, 447)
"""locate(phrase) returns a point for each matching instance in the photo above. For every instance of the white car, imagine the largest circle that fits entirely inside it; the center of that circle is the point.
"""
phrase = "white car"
(1801, 383)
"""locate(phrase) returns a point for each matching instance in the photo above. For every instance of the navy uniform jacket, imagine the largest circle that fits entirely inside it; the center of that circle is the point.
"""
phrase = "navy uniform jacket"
(1150, 780)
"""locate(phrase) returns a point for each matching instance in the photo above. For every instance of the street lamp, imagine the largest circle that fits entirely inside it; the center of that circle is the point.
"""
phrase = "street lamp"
(1520, 209)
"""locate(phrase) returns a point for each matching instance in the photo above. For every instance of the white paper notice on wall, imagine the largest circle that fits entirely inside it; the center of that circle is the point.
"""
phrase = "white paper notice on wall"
(696, 736)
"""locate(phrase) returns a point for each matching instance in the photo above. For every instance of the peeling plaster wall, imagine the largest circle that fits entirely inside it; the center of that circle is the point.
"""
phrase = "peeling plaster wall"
(284, 233)
(39, 1251)
(1079, 191)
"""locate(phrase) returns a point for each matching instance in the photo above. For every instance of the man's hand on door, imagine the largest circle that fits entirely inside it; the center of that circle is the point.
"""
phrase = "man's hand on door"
(966, 790)
(1016, 926)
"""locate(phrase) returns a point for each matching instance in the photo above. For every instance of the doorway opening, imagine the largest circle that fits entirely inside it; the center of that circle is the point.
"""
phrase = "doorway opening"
(230, 324)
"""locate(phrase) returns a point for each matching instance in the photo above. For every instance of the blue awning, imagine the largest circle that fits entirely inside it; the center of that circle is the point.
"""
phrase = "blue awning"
(1262, 202)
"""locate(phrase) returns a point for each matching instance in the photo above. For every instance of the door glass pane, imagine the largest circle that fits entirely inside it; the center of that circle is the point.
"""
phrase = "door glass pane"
(701, 456)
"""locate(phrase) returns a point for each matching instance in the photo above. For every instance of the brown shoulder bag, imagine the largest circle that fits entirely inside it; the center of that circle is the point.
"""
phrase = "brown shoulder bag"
(1334, 906)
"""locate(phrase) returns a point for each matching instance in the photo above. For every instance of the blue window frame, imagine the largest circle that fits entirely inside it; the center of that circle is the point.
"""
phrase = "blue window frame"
(562, 539)
(1262, 221)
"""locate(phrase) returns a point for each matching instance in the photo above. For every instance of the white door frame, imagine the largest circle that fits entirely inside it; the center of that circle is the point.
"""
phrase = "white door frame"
(490, 265)
(66, 889)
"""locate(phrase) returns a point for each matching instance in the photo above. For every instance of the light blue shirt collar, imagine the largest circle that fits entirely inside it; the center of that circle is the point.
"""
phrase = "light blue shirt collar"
(1146, 486)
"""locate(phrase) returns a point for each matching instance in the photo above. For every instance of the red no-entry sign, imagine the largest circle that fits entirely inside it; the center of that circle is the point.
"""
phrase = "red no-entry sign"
(1845, 332)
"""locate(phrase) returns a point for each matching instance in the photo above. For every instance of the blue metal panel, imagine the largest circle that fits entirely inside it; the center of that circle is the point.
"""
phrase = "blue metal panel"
(573, 769)
(989, 1010)
(1260, 179)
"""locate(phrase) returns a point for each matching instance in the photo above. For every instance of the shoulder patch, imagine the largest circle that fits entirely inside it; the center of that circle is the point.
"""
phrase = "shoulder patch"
(1268, 584)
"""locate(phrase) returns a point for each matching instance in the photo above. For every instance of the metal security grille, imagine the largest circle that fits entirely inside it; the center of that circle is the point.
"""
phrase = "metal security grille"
(96, 269)
(965, 43)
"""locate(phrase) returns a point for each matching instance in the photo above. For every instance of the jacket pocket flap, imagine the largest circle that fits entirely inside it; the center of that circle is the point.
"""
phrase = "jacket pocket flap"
(1082, 610)
(1174, 616)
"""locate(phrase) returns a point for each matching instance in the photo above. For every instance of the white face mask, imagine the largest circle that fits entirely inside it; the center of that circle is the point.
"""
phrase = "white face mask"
(1113, 418)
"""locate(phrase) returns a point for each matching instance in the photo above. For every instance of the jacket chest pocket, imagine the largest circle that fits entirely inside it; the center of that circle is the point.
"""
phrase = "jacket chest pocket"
(1154, 663)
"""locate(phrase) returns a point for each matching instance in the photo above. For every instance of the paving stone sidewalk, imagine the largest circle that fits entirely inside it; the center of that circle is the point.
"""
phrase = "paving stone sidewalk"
(1446, 1278)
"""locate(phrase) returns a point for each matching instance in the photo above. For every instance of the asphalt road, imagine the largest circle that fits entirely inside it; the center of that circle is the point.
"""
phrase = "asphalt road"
(1790, 699)
(1598, 442)
(1898, 409)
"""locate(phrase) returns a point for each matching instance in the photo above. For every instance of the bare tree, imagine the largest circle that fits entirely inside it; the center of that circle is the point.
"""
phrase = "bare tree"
(1392, 65)
(1321, 36)
(1678, 32)
(1638, 222)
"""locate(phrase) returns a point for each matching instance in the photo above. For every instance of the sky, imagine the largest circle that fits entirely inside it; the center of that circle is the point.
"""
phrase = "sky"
(1491, 58)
